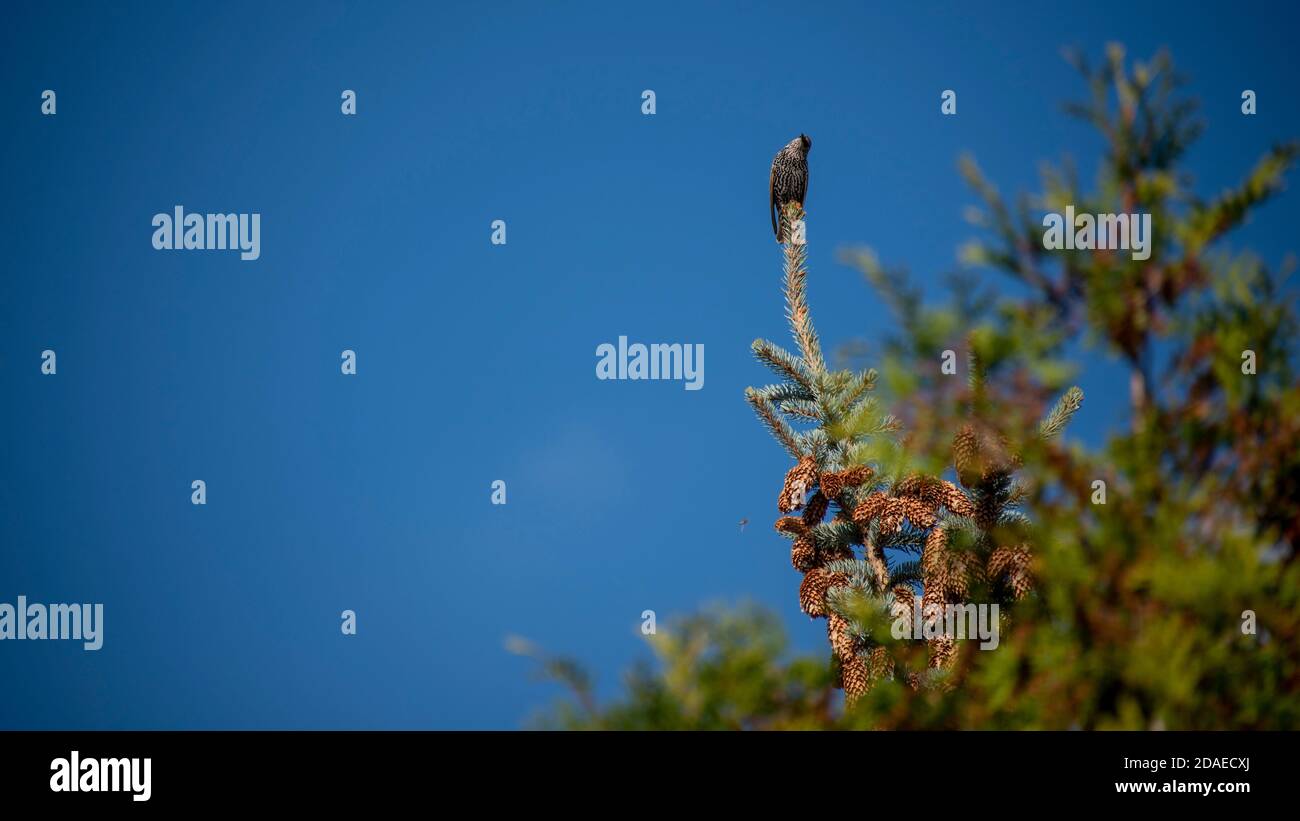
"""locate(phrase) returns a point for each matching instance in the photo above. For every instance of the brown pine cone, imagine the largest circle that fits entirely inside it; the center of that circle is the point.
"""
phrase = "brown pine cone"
(855, 675)
(857, 475)
(891, 516)
(904, 603)
(879, 664)
(798, 481)
(962, 568)
(833, 484)
(956, 500)
(816, 509)
(917, 512)
(921, 486)
(869, 508)
(935, 576)
(980, 453)
(942, 652)
(812, 592)
(792, 525)
(965, 456)
(1021, 584)
(1012, 564)
(803, 554)
(837, 631)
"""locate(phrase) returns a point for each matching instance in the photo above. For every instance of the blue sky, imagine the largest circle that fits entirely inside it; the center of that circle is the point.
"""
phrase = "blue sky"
(476, 362)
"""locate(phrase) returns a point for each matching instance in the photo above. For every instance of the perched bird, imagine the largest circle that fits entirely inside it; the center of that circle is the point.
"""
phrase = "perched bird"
(789, 182)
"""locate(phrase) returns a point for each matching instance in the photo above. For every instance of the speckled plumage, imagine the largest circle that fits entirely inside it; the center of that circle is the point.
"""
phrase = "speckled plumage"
(789, 181)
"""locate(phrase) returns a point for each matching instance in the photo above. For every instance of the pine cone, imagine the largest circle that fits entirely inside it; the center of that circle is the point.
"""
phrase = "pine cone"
(962, 568)
(798, 481)
(812, 592)
(942, 652)
(936, 493)
(869, 508)
(879, 664)
(932, 614)
(923, 487)
(792, 525)
(803, 554)
(987, 512)
(857, 475)
(814, 587)
(935, 575)
(816, 510)
(1021, 584)
(904, 603)
(1012, 565)
(979, 454)
(833, 484)
(891, 517)
(956, 500)
(920, 514)
(965, 456)
(842, 642)
(856, 677)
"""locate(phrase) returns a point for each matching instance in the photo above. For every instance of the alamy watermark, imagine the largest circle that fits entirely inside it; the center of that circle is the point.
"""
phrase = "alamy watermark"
(953, 621)
(208, 232)
(75, 622)
(1088, 232)
(655, 361)
(77, 774)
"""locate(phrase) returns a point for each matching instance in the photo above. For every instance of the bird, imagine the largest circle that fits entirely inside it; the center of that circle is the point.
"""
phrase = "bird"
(789, 181)
(743, 522)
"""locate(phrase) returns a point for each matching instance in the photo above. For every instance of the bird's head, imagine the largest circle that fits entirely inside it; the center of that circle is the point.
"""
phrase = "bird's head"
(805, 143)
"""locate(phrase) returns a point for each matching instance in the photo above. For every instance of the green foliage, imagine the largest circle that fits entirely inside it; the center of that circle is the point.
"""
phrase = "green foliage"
(721, 669)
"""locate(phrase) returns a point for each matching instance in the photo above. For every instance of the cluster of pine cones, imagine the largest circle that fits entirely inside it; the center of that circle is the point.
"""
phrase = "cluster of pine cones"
(918, 500)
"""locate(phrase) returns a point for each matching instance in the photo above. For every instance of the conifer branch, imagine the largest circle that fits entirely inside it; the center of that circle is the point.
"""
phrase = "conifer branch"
(784, 392)
(803, 409)
(782, 361)
(768, 415)
(1061, 413)
(908, 572)
(859, 386)
(857, 571)
(835, 536)
(796, 298)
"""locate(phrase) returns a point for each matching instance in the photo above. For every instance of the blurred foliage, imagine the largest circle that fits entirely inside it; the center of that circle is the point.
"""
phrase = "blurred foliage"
(1137, 616)
(721, 669)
